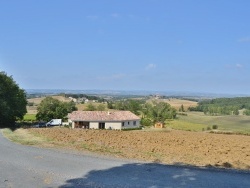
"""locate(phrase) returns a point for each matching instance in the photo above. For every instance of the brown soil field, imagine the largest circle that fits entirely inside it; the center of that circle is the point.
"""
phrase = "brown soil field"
(164, 146)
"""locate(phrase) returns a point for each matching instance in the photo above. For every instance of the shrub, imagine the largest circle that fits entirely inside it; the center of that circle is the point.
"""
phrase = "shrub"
(146, 122)
(208, 128)
(215, 127)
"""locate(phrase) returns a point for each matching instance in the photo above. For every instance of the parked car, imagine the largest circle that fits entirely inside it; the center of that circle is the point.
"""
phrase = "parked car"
(39, 125)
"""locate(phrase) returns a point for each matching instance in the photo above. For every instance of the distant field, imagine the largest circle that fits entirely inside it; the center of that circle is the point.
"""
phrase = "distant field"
(184, 125)
(81, 107)
(176, 103)
(29, 117)
(238, 123)
(38, 100)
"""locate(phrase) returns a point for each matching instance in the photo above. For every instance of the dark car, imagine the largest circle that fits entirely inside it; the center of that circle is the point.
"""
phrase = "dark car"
(39, 125)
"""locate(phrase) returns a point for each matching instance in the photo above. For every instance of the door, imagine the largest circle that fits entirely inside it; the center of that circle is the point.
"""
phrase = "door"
(101, 125)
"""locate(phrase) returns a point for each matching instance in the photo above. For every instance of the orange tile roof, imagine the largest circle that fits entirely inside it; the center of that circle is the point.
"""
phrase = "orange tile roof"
(102, 116)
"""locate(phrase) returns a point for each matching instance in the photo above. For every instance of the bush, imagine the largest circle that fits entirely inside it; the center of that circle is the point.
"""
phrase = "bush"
(146, 122)
(215, 127)
(208, 128)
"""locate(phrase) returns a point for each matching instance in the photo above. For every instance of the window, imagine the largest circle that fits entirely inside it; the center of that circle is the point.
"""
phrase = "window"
(128, 122)
(134, 123)
(123, 124)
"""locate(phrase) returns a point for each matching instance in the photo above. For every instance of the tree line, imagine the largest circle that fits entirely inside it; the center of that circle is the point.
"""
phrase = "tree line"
(223, 106)
(150, 112)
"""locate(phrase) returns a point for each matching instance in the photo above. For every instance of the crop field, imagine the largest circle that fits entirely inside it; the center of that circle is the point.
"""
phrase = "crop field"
(161, 145)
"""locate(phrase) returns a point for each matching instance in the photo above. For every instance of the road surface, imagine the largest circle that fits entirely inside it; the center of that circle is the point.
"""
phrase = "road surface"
(26, 166)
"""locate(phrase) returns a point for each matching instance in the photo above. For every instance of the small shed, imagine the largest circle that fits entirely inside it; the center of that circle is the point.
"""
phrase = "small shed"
(159, 125)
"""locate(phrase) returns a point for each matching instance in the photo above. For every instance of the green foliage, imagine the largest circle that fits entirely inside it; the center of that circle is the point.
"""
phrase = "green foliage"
(12, 101)
(51, 108)
(29, 117)
(150, 112)
(215, 127)
(134, 106)
(110, 105)
(246, 112)
(159, 111)
(146, 122)
(101, 107)
(90, 107)
(181, 109)
(208, 128)
(184, 125)
(222, 106)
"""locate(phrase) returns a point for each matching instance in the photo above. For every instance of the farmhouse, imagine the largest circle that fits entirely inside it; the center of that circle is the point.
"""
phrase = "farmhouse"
(103, 120)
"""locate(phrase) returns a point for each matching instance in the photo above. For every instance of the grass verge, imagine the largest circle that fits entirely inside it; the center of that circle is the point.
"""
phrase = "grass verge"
(22, 136)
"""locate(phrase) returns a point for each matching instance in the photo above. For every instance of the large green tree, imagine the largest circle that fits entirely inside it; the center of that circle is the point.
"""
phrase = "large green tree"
(12, 101)
(158, 112)
(51, 108)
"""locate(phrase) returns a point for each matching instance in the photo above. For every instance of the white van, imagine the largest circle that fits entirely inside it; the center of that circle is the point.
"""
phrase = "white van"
(54, 122)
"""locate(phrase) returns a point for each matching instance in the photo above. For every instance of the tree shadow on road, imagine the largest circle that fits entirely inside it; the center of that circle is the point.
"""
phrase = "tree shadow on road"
(155, 175)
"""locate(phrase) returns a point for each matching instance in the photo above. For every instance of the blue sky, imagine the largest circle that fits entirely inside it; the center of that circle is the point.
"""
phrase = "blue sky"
(158, 45)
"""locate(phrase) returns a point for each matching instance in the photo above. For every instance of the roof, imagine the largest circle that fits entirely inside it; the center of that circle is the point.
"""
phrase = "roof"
(102, 116)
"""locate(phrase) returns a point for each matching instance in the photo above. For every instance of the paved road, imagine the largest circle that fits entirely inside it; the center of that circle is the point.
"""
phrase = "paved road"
(24, 166)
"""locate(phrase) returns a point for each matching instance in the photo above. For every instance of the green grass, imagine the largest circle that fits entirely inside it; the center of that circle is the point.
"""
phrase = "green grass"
(196, 120)
(29, 117)
(184, 125)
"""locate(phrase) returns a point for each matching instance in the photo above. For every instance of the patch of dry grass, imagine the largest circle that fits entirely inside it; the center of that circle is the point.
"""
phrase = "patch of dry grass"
(23, 136)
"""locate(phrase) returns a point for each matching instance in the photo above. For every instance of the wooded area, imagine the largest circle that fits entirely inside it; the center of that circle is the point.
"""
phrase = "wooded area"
(224, 106)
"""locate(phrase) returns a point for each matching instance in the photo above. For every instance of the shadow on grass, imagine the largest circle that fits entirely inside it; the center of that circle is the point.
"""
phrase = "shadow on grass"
(16, 125)
(155, 175)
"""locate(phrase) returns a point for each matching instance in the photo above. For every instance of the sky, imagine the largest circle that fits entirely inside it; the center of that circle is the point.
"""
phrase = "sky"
(153, 45)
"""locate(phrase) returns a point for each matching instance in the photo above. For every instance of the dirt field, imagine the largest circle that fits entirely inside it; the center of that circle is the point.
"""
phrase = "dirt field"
(169, 146)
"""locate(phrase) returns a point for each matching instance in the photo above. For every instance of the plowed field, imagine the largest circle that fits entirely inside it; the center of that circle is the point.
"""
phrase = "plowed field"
(170, 147)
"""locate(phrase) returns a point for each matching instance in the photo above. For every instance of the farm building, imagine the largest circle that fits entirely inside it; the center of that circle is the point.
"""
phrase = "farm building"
(103, 120)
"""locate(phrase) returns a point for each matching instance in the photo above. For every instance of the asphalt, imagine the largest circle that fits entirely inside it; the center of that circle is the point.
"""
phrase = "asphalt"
(26, 166)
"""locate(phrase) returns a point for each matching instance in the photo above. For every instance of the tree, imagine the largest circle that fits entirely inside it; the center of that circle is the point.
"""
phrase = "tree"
(181, 109)
(51, 108)
(90, 107)
(101, 107)
(12, 101)
(159, 112)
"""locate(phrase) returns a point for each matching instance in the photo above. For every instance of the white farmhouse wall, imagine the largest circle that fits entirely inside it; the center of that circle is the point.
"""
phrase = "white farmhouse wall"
(73, 124)
(94, 125)
(131, 124)
(113, 125)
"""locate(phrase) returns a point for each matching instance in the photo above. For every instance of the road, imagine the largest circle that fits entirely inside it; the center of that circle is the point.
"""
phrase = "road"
(26, 166)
